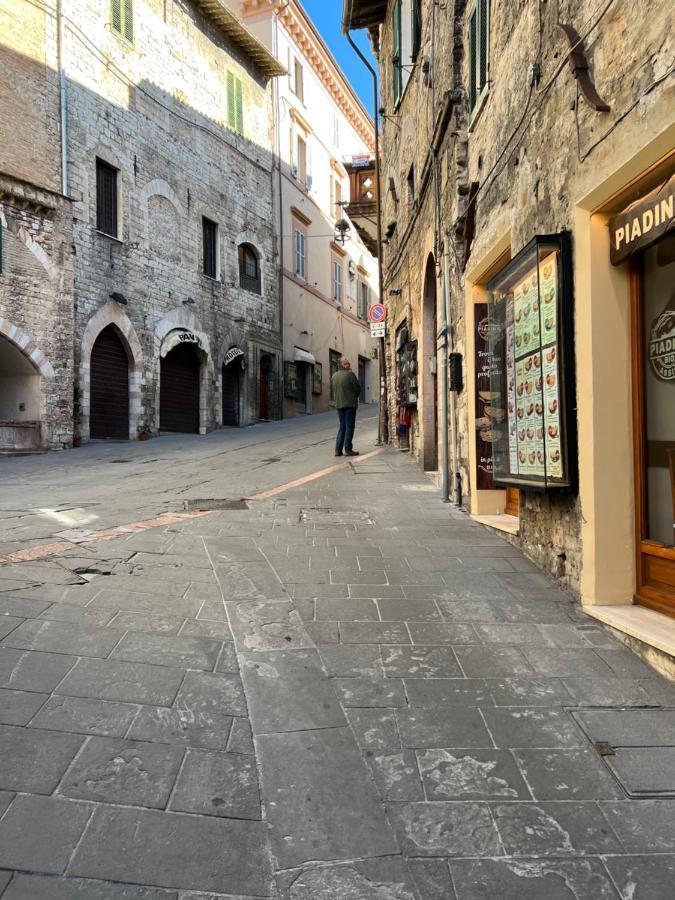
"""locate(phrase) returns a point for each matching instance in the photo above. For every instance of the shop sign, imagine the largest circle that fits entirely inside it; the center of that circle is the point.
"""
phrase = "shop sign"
(662, 345)
(231, 355)
(290, 380)
(179, 337)
(489, 415)
(317, 378)
(644, 223)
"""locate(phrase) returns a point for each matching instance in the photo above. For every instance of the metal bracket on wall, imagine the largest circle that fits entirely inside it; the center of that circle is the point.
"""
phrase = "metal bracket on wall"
(580, 68)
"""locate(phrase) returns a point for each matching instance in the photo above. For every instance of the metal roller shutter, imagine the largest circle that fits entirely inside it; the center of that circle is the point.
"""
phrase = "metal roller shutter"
(109, 393)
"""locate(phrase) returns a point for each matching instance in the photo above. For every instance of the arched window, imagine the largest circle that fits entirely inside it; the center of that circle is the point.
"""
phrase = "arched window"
(249, 268)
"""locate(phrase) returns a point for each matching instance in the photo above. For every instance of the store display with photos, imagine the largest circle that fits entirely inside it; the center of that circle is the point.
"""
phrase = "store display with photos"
(530, 319)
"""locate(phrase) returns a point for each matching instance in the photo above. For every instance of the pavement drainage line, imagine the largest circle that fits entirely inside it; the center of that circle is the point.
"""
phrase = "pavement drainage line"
(56, 548)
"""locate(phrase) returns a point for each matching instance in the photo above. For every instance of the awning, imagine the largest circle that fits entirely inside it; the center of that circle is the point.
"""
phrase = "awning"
(304, 356)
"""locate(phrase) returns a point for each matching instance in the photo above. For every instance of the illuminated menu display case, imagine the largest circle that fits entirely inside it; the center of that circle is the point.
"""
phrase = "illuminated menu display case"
(532, 427)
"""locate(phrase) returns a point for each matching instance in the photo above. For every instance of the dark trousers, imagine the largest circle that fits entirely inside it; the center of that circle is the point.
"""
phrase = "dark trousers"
(345, 435)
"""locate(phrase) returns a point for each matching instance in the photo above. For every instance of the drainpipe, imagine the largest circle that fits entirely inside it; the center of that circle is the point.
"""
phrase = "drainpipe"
(450, 338)
(277, 153)
(383, 429)
(445, 490)
(63, 99)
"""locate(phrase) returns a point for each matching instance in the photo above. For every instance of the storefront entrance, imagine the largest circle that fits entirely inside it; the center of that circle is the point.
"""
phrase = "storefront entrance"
(266, 379)
(232, 377)
(109, 387)
(179, 390)
(653, 325)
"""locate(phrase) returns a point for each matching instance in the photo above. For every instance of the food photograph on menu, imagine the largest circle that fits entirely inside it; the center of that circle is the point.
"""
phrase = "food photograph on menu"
(530, 325)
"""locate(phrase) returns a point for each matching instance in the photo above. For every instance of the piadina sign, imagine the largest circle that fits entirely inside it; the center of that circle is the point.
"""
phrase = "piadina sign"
(643, 223)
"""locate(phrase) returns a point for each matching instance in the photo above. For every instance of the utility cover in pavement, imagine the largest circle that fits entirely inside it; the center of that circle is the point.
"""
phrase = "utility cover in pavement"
(643, 745)
(209, 504)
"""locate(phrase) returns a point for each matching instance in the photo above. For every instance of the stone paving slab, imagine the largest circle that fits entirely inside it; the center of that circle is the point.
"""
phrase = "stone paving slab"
(34, 761)
(40, 833)
(125, 681)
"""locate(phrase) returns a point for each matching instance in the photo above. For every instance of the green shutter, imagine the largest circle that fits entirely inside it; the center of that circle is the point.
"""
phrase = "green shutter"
(397, 80)
(231, 104)
(128, 16)
(473, 92)
(239, 99)
(416, 27)
(483, 42)
(116, 15)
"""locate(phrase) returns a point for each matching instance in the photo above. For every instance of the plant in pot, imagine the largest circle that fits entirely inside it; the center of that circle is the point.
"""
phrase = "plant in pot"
(144, 432)
(77, 416)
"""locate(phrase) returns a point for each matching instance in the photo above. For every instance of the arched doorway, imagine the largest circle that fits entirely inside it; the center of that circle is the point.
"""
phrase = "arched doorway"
(20, 400)
(265, 380)
(109, 387)
(232, 375)
(179, 389)
(429, 379)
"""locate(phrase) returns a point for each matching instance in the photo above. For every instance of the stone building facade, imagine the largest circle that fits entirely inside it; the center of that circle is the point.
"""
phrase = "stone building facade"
(36, 270)
(169, 112)
(327, 284)
(559, 117)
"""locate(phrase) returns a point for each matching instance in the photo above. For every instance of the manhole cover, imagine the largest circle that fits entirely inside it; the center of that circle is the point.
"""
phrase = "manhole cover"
(637, 745)
(212, 504)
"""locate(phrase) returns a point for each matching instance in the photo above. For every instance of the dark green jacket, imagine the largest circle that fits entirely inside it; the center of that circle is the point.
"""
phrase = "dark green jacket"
(346, 388)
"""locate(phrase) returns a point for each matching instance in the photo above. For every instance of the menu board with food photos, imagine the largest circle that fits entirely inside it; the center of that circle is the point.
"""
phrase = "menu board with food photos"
(529, 312)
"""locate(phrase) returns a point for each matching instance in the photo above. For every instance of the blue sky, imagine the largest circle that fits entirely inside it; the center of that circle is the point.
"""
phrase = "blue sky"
(327, 16)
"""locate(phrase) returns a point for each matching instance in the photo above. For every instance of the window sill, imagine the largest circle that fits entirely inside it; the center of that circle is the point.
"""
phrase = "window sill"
(475, 114)
(213, 278)
(111, 237)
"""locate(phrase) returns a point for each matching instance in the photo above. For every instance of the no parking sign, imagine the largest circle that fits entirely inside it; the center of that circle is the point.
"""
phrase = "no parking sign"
(377, 313)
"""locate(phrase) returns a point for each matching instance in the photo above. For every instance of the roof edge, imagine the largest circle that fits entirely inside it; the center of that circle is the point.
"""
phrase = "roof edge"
(234, 28)
(358, 14)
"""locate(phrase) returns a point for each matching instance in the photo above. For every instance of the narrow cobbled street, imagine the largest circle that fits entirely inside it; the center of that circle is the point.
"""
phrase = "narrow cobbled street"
(341, 689)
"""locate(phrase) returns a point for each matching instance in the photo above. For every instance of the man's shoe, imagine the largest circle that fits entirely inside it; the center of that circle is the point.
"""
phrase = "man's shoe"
(351, 452)
(338, 452)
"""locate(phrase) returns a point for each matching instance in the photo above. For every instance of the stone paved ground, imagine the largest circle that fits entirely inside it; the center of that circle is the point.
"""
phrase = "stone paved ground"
(347, 692)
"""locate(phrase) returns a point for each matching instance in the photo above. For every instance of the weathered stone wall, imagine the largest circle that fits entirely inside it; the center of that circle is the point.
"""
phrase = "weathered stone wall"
(158, 114)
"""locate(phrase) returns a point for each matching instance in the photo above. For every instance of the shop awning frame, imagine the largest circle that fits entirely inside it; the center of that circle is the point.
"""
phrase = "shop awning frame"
(304, 356)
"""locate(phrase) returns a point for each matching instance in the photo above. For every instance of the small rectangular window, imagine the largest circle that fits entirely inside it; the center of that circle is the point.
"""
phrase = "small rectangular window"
(299, 81)
(479, 50)
(235, 103)
(106, 198)
(210, 247)
(122, 19)
(300, 254)
(363, 300)
(337, 281)
(301, 160)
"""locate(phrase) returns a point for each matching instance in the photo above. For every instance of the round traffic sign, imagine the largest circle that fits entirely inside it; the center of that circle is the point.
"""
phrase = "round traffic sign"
(378, 313)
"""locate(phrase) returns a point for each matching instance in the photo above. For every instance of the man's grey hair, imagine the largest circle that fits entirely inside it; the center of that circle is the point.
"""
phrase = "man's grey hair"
(344, 362)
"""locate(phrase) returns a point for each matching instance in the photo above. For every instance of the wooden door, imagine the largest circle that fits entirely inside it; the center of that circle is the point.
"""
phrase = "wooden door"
(653, 333)
(231, 392)
(109, 387)
(512, 502)
(179, 390)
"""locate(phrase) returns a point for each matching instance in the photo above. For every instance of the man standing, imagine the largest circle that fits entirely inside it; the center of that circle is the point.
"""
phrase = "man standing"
(346, 391)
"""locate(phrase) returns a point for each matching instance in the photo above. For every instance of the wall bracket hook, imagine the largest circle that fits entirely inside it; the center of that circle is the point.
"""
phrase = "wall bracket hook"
(580, 69)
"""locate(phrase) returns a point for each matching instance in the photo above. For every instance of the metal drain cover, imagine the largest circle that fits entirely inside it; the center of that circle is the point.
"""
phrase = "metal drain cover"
(636, 744)
(213, 504)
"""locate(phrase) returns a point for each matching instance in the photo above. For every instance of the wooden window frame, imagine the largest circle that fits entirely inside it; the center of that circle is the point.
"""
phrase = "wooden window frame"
(235, 103)
(210, 248)
(299, 230)
(337, 280)
(107, 202)
(299, 83)
(478, 55)
(122, 19)
(362, 299)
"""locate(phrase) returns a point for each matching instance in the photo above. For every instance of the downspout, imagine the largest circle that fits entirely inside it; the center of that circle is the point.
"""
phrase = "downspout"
(63, 98)
(277, 153)
(383, 430)
(450, 337)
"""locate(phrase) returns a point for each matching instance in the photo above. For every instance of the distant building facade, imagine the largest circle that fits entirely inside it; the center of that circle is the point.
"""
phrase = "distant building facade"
(36, 263)
(327, 285)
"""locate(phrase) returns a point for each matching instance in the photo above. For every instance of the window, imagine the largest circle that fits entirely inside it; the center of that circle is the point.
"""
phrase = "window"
(301, 160)
(106, 198)
(362, 300)
(249, 269)
(235, 103)
(336, 198)
(336, 281)
(300, 253)
(299, 81)
(479, 41)
(336, 131)
(397, 71)
(122, 19)
(210, 247)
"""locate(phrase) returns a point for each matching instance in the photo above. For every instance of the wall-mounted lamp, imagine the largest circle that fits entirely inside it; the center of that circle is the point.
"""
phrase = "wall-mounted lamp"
(395, 292)
(342, 229)
(118, 298)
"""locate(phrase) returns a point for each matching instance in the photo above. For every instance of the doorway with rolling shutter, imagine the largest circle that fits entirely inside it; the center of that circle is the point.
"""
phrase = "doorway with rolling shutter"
(109, 387)
(179, 390)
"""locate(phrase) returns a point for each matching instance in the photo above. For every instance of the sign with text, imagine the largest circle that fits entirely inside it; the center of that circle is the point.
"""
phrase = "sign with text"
(643, 223)
(378, 329)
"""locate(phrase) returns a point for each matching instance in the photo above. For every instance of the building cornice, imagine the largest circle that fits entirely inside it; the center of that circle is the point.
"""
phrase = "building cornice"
(312, 46)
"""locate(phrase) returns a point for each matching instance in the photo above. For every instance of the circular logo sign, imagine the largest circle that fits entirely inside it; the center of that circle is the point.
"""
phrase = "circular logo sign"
(662, 346)
(377, 313)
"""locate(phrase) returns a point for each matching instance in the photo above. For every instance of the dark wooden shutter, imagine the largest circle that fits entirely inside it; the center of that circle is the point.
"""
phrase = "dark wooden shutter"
(473, 89)
(210, 237)
(179, 390)
(109, 387)
(231, 386)
(397, 81)
(483, 42)
(106, 198)
(416, 27)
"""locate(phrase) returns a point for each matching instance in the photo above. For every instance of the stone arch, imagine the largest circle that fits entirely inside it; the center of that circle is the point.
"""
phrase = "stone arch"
(428, 365)
(23, 402)
(158, 188)
(179, 320)
(234, 339)
(250, 238)
(111, 313)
